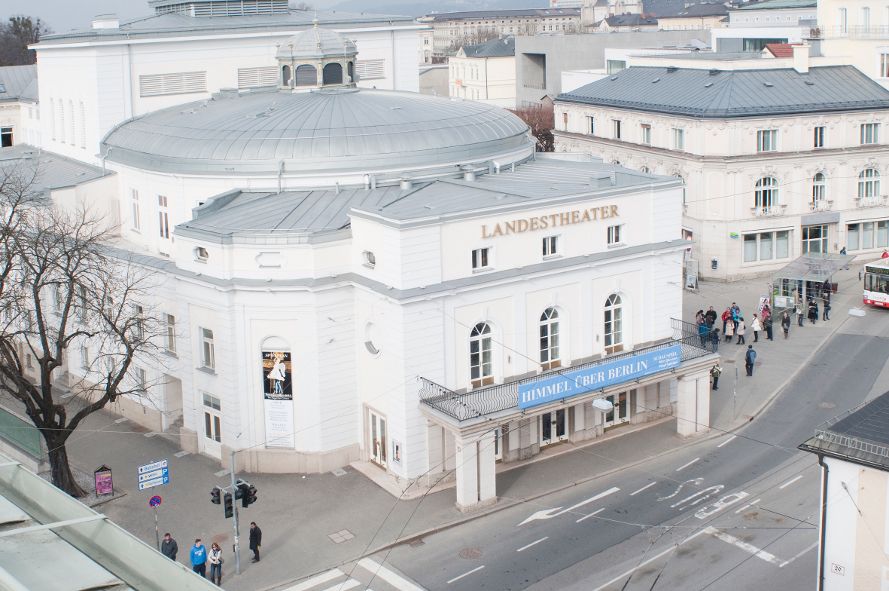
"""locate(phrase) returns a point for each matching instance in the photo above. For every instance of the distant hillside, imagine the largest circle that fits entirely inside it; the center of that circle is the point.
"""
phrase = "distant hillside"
(421, 7)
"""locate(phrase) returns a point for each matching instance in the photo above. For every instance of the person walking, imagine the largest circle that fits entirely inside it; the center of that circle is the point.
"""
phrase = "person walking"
(169, 547)
(756, 325)
(749, 360)
(800, 317)
(215, 560)
(785, 323)
(714, 339)
(826, 315)
(255, 540)
(741, 329)
(729, 331)
(715, 371)
(199, 558)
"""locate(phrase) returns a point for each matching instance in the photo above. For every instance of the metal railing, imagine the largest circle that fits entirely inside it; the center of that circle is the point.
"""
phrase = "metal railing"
(484, 401)
(823, 433)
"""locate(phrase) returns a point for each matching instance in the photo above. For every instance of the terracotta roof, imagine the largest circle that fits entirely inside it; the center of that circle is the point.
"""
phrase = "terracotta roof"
(780, 49)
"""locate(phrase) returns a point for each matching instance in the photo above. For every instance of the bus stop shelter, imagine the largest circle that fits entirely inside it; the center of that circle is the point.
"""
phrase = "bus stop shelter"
(808, 277)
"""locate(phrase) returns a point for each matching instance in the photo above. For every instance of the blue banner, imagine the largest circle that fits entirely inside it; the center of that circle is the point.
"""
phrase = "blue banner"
(580, 381)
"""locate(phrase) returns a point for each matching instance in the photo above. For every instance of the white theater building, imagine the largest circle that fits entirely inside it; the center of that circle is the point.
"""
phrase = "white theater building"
(357, 275)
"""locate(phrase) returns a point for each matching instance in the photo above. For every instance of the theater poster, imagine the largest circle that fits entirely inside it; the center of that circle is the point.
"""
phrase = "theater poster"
(277, 389)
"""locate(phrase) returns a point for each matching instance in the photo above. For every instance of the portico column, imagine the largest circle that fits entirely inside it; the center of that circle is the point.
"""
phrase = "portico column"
(476, 479)
(693, 404)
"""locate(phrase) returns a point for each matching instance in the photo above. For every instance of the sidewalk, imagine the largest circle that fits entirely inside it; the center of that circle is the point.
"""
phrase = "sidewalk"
(299, 513)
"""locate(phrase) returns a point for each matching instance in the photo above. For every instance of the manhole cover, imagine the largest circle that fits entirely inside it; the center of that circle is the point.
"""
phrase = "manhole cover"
(470, 553)
(826, 405)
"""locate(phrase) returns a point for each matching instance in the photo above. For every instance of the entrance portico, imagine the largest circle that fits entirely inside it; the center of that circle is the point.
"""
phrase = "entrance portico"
(513, 420)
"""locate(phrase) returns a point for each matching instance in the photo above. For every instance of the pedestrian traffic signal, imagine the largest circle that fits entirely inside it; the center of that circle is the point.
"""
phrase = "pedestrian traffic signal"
(214, 495)
(228, 505)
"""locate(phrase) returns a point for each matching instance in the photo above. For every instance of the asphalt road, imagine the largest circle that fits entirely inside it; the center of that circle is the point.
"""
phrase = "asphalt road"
(739, 511)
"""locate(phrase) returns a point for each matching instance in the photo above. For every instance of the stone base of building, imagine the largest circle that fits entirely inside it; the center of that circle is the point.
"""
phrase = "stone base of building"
(288, 461)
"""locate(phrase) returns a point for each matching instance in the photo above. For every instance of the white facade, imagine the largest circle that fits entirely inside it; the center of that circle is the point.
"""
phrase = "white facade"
(485, 79)
(857, 31)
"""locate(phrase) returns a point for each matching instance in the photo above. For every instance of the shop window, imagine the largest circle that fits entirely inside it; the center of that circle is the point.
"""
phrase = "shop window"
(765, 246)
(614, 324)
(481, 370)
(549, 339)
(814, 239)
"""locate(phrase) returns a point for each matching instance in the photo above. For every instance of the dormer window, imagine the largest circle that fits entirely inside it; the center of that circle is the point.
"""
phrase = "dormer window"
(201, 255)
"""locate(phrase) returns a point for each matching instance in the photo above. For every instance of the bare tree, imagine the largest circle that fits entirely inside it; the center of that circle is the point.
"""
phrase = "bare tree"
(61, 290)
(15, 36)
(540, 120)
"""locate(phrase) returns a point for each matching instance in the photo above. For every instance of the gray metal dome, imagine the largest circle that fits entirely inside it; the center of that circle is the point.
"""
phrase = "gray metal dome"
(316, 43)
(281, 132)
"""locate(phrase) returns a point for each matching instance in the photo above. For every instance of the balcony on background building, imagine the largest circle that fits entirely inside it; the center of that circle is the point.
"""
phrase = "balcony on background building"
(480, 402)
(872, 201)
(768, 210)
(820, 205)
(877, 32)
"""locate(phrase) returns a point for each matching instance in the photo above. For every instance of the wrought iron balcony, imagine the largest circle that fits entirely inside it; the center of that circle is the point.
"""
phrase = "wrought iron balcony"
(820, 205)
(492, 399)
(768, 210)
(872, 201)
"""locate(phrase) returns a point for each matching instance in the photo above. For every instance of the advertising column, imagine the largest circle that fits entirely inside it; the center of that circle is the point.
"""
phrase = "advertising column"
(277, 389)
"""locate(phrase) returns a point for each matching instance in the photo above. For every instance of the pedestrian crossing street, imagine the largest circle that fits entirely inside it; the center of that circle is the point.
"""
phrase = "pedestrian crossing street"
(365, 575)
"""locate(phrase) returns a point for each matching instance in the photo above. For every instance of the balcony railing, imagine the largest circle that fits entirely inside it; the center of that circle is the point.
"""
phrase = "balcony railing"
(873, 201)
(821, 205)
(492, 399)
(879, 32)
(768, 211)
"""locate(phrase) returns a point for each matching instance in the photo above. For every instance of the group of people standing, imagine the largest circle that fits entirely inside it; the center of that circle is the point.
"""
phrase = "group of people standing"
(200, 557)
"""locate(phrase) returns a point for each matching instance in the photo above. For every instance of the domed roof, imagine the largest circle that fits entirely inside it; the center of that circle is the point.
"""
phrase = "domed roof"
(316, 43)
(320, 132)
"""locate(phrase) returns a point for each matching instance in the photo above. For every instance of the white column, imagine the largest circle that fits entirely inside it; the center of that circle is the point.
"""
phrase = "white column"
(487, 476)
(703, 403)
(693, 404)
(476, 478)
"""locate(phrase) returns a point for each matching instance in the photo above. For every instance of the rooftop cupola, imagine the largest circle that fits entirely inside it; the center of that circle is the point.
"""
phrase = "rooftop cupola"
(317, 58)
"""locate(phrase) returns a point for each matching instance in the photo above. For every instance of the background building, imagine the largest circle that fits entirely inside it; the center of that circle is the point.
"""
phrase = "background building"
(484, 73)
(19, 113)
(753, 25)
(704, 15)
(858, 33)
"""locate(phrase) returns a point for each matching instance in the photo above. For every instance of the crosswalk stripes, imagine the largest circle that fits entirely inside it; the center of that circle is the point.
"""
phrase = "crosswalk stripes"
(364, 574)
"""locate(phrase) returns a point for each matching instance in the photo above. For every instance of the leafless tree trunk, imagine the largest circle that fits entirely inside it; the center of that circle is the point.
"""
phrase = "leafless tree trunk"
(540, 120)
(61, 290)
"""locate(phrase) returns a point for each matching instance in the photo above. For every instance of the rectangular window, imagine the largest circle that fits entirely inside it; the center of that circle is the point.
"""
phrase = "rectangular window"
(819, 136)
(550, 246)
(615, 128)
(590, 125)
(646, 133)
(163, 216)
(5, 137)
(766, 246)
(170, 336)
(884, 65)
(135, 217)
(208, 349)
(852, 236)
(782, 244)
(212, 418)
(138, 313)
(480, 259)
(883, 234)
(84, 357)
(867, 235)
(870, 133)
(864, 27)
(843, 21)
(678, 139)
(766, 140)
(614, 235)
(141, 380)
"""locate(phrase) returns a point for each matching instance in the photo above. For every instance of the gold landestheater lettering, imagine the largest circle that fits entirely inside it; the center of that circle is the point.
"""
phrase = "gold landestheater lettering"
(552, 220)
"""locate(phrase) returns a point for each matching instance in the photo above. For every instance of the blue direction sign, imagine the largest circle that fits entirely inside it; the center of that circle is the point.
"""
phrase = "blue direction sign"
(153, 474)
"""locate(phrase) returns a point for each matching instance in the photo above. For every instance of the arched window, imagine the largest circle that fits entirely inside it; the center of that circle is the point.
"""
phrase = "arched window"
(285, 76)
(868, 183)
(481, 370)
(819, 189)
(352, 72)
(549, 339)
(766, 193)
(306, 75)
(614, 324)
(333, 74)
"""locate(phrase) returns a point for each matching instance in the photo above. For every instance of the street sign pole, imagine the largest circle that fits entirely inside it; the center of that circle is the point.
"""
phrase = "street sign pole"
(157, 533)
(237, 548)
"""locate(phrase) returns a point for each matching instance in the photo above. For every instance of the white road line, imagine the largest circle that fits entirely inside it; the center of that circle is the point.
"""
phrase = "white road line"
(786, 562)
(317, 580)
(684, 466)
(729, 440)
(388, 575)
(649, 485)
(730, 539)
(543, 539)
(791, 481)
(345, 585)
(747, 506)
(650, 560)
(476, 569)
(596, 512)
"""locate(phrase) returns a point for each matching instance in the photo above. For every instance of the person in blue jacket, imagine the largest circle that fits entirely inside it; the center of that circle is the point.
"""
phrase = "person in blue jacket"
(199, 558)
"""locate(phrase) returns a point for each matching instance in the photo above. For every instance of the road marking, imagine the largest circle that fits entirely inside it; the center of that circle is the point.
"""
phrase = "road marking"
(317, 580)
(729, 440)
(181, 454)
(345, 585)
(555, 512)
(543, 539)
(786, 562)
(596, 512)
(726, 501)
(768, 557)
(747, 506)
(121, 420)
(695, 481)
(476, 569)
(650, 560)
(707, 492)
(649, 485)
(683, 466)
(388, 575)
(789, 482)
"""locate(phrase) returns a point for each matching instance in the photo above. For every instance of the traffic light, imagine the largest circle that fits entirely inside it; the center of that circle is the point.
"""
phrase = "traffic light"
(214, 495)
(240, 487)
(229, 505)
(247, 493)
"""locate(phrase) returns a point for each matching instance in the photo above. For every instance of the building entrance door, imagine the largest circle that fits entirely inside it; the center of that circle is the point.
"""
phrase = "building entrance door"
(621, 411)
(378, 438)
(553, 427)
